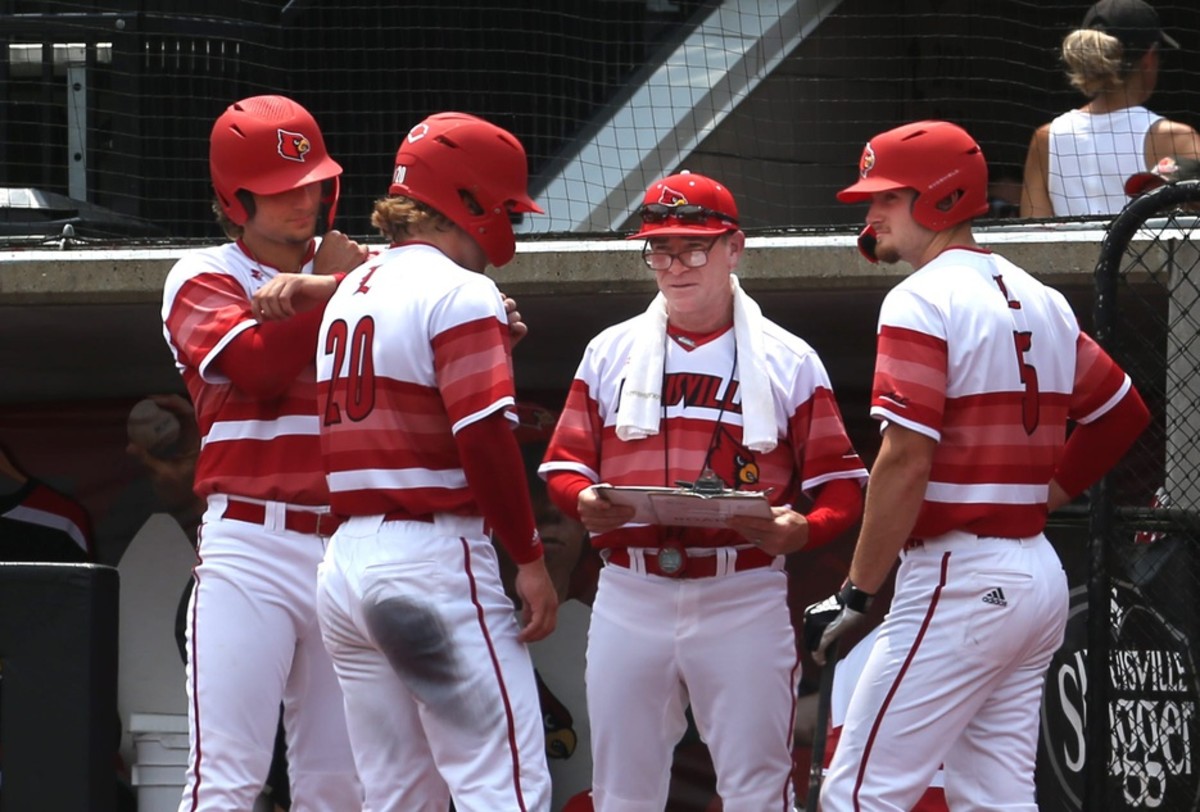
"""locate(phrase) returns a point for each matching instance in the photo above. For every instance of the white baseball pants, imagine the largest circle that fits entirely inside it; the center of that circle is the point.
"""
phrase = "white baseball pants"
(725, 644)
(441, 699)
(955, 677)
(253, 642)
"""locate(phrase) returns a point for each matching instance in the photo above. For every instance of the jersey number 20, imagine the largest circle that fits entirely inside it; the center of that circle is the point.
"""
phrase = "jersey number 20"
(353, 392)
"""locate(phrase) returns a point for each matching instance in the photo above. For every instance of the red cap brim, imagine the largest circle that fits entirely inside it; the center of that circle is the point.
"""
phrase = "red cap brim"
(677, 229)
(865, 188)
(1142, 182)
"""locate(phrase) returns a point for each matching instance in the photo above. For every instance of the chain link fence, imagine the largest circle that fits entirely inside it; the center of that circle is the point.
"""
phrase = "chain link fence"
(1120, 730)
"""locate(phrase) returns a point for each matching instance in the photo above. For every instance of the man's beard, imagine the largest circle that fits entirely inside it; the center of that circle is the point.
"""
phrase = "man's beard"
(886, 254)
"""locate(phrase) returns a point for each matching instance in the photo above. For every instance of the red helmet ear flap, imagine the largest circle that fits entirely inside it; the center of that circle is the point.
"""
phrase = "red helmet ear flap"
(866, 244)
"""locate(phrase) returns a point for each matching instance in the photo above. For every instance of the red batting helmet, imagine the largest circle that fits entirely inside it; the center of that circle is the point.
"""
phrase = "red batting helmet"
(267, 145)
(448, 154)
(937, 159)
(686, 204)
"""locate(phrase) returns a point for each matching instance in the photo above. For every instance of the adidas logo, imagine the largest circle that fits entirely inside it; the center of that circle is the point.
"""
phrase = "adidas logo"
(995, 597)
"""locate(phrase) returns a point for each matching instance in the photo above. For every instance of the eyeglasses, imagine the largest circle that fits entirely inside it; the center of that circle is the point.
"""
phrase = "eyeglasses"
(687, 215)
(688, 257)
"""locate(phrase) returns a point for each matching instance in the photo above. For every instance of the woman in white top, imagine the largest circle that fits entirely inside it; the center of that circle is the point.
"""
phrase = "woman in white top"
(1077, 164)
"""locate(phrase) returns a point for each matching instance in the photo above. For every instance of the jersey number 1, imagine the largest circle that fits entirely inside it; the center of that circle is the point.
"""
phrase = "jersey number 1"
(355, 390)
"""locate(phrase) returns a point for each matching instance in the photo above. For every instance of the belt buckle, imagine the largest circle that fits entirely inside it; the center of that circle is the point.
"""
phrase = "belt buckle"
(672, 560)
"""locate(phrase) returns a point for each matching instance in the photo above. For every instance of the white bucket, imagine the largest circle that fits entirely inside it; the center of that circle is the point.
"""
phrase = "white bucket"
(161, 742)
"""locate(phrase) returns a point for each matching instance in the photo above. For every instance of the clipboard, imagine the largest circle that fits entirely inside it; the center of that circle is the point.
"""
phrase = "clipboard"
(699, 504)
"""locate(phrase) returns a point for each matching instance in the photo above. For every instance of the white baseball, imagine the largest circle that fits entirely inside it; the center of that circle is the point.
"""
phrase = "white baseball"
(152, 427)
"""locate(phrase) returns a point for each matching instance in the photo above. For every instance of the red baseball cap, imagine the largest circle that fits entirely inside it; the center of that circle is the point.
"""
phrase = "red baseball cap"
(686, 204)
(1168, 170)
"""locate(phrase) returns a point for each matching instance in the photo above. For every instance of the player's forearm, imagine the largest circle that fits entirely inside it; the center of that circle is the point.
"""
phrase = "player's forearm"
(1093, 448)
(492, 463)
(895, 493)
(838, 505)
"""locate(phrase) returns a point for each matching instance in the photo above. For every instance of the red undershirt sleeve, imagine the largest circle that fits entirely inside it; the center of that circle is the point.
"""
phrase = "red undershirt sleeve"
(264, 360)
(839, 504)
(1093, 448)
(564, 488)
(490, 457)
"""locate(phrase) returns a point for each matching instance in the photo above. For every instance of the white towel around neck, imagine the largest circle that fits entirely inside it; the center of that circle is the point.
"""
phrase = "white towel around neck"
(641, 396)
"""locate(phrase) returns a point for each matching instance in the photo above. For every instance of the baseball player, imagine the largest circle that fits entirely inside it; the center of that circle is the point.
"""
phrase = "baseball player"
(979, 369)
(416, 389)
(252, 631)
(701, 384)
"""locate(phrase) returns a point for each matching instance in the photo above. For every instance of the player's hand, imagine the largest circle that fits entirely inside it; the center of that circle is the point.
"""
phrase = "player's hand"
(600, 515)
(785, 532)
(828, 620)
(291, 293)
(517, 328)
(172, 477)
(338, 254)
(539, 601)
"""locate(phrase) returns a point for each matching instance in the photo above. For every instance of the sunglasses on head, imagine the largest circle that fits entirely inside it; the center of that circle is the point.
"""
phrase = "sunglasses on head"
(687, 215)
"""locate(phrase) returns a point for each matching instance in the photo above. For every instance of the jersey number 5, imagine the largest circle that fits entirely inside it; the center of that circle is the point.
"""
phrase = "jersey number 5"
(354, 391)
(1029, 401)
(1030, 413)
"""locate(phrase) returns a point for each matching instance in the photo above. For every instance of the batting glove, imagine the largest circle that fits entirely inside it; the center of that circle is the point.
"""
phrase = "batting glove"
(828, 620)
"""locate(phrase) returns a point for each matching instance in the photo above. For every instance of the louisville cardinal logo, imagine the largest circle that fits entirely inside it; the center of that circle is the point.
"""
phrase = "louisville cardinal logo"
(670, 197)
(733, 462)
(418, 132)
(557, 722)
(867, 162)
(293, 146)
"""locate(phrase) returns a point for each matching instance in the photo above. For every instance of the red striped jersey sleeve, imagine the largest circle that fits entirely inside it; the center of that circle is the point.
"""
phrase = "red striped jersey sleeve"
(575, 445)
(1099, 382)
(207, 311)
(471, 359)
(910, 379)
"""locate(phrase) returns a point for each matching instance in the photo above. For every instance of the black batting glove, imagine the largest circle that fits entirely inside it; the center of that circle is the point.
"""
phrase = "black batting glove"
(828, 620)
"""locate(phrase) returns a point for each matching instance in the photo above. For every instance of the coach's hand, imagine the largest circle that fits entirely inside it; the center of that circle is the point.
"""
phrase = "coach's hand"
(600, 515)
(539, 601)
(828, 620)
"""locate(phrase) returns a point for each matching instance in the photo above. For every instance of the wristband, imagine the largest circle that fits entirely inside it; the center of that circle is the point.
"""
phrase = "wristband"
(854, 598)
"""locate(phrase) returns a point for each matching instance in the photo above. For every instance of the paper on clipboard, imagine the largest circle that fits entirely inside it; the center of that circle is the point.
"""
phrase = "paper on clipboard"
(686, 507)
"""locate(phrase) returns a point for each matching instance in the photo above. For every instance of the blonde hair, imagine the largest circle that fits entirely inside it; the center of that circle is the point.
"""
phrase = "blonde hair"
(1096, 61)
(401, 218)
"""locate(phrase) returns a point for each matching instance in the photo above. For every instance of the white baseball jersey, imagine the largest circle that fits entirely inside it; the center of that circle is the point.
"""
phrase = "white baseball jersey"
(252, 637)
(980, 356)
(724, 644)
(703, 420)
(991, 363)
(441, 700)
(265, 449)
(419, 349)
(1091, 155)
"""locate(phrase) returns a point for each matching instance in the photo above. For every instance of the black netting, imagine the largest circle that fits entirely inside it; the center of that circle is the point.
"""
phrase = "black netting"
(1131, 713)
